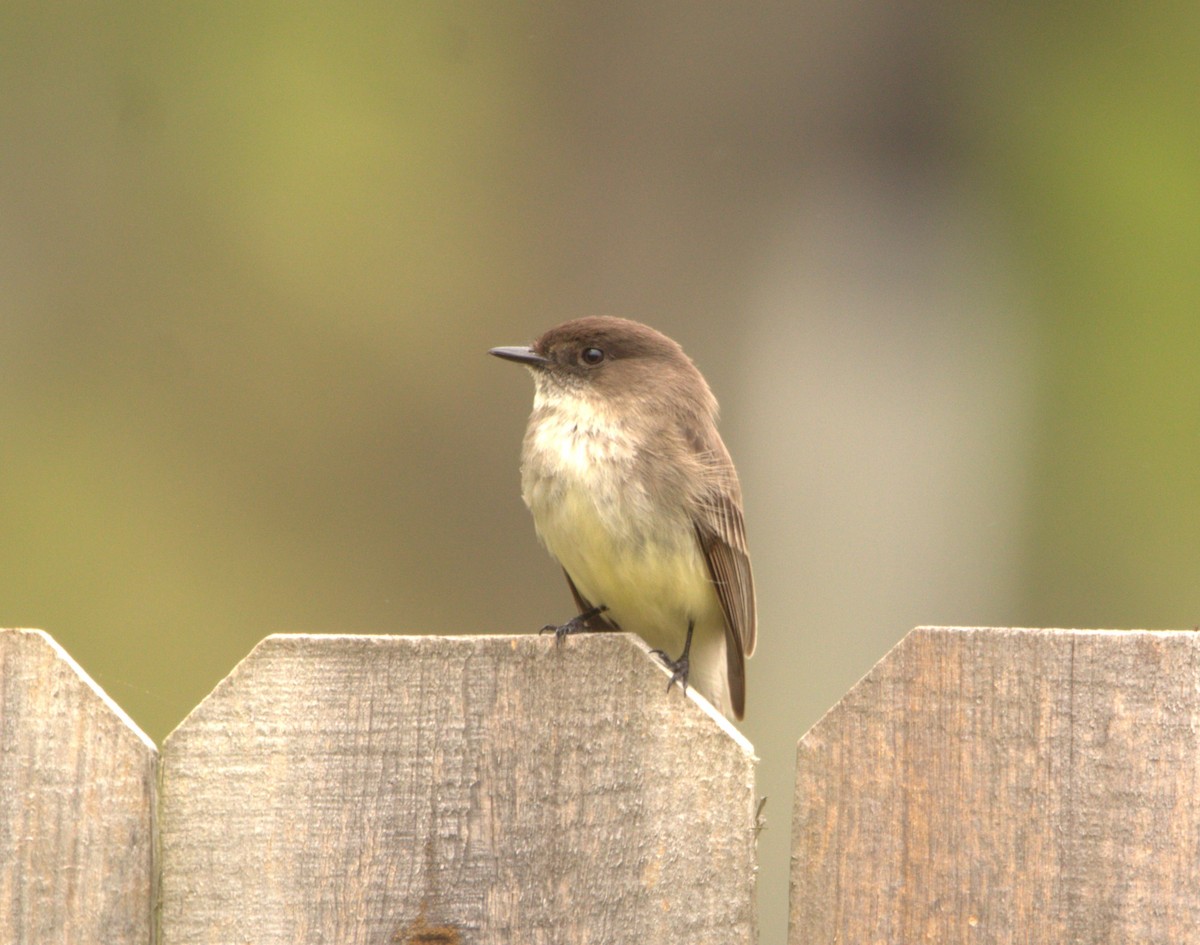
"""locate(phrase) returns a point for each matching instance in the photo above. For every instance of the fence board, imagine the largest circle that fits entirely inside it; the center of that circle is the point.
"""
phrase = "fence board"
(461, 789)
(1025, 786)
(77, 782)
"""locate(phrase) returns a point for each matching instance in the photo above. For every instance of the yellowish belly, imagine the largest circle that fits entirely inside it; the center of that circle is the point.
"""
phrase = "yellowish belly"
(653, 580)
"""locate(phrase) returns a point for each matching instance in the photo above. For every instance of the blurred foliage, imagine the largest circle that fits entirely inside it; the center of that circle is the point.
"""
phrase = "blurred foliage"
(1088, 137)
(235, 234)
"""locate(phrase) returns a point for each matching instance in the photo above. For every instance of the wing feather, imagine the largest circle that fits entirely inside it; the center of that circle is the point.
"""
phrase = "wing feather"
(721, 531)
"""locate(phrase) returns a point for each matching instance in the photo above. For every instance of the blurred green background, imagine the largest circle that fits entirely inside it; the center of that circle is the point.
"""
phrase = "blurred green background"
(938, 261)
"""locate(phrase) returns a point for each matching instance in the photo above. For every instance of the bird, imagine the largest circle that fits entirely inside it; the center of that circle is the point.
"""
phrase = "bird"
(633, 492)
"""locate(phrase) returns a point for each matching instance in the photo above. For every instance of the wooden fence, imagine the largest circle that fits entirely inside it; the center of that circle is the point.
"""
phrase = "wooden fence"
(1032, 786)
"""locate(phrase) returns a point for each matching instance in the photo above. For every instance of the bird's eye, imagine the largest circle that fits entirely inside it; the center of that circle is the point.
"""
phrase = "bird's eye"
(591, 356)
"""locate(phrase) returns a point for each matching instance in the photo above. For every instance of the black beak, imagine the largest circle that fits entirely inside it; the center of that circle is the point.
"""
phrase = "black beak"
(522, 355)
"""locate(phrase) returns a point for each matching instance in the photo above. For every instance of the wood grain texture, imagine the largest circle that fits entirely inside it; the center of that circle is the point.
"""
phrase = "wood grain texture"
(1015, 786)
(455, 790)
(77, 781)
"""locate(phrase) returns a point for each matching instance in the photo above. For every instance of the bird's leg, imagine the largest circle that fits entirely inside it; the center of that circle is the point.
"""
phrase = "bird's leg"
(577, 624)
(679, 668)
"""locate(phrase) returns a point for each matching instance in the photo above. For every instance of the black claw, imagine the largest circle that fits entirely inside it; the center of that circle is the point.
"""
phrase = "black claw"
(577, 624)
(681, 667)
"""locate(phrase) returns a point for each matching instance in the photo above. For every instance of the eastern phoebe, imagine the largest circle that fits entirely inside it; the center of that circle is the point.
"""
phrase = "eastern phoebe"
(634, 494)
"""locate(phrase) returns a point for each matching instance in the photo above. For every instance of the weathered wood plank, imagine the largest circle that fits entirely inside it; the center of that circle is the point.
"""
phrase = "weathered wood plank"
(463, 789)
(77, 781)
(1028, 786)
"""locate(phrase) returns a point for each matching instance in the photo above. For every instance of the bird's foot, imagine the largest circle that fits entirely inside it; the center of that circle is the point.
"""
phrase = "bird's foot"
(679, 669)
(577, 624)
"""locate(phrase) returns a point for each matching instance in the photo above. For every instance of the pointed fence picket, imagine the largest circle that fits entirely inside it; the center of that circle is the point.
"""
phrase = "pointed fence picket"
(983, 785)
(77, 783)
(455, 789)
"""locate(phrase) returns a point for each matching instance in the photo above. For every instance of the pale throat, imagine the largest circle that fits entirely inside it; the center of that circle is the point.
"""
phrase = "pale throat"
(576, 435)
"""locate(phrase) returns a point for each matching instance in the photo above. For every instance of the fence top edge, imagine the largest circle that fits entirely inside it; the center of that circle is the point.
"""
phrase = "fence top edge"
(500, 641)
(1056, 631)
(1188, 636)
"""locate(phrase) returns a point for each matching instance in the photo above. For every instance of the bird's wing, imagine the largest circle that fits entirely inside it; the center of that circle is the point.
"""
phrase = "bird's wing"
(722, 534)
